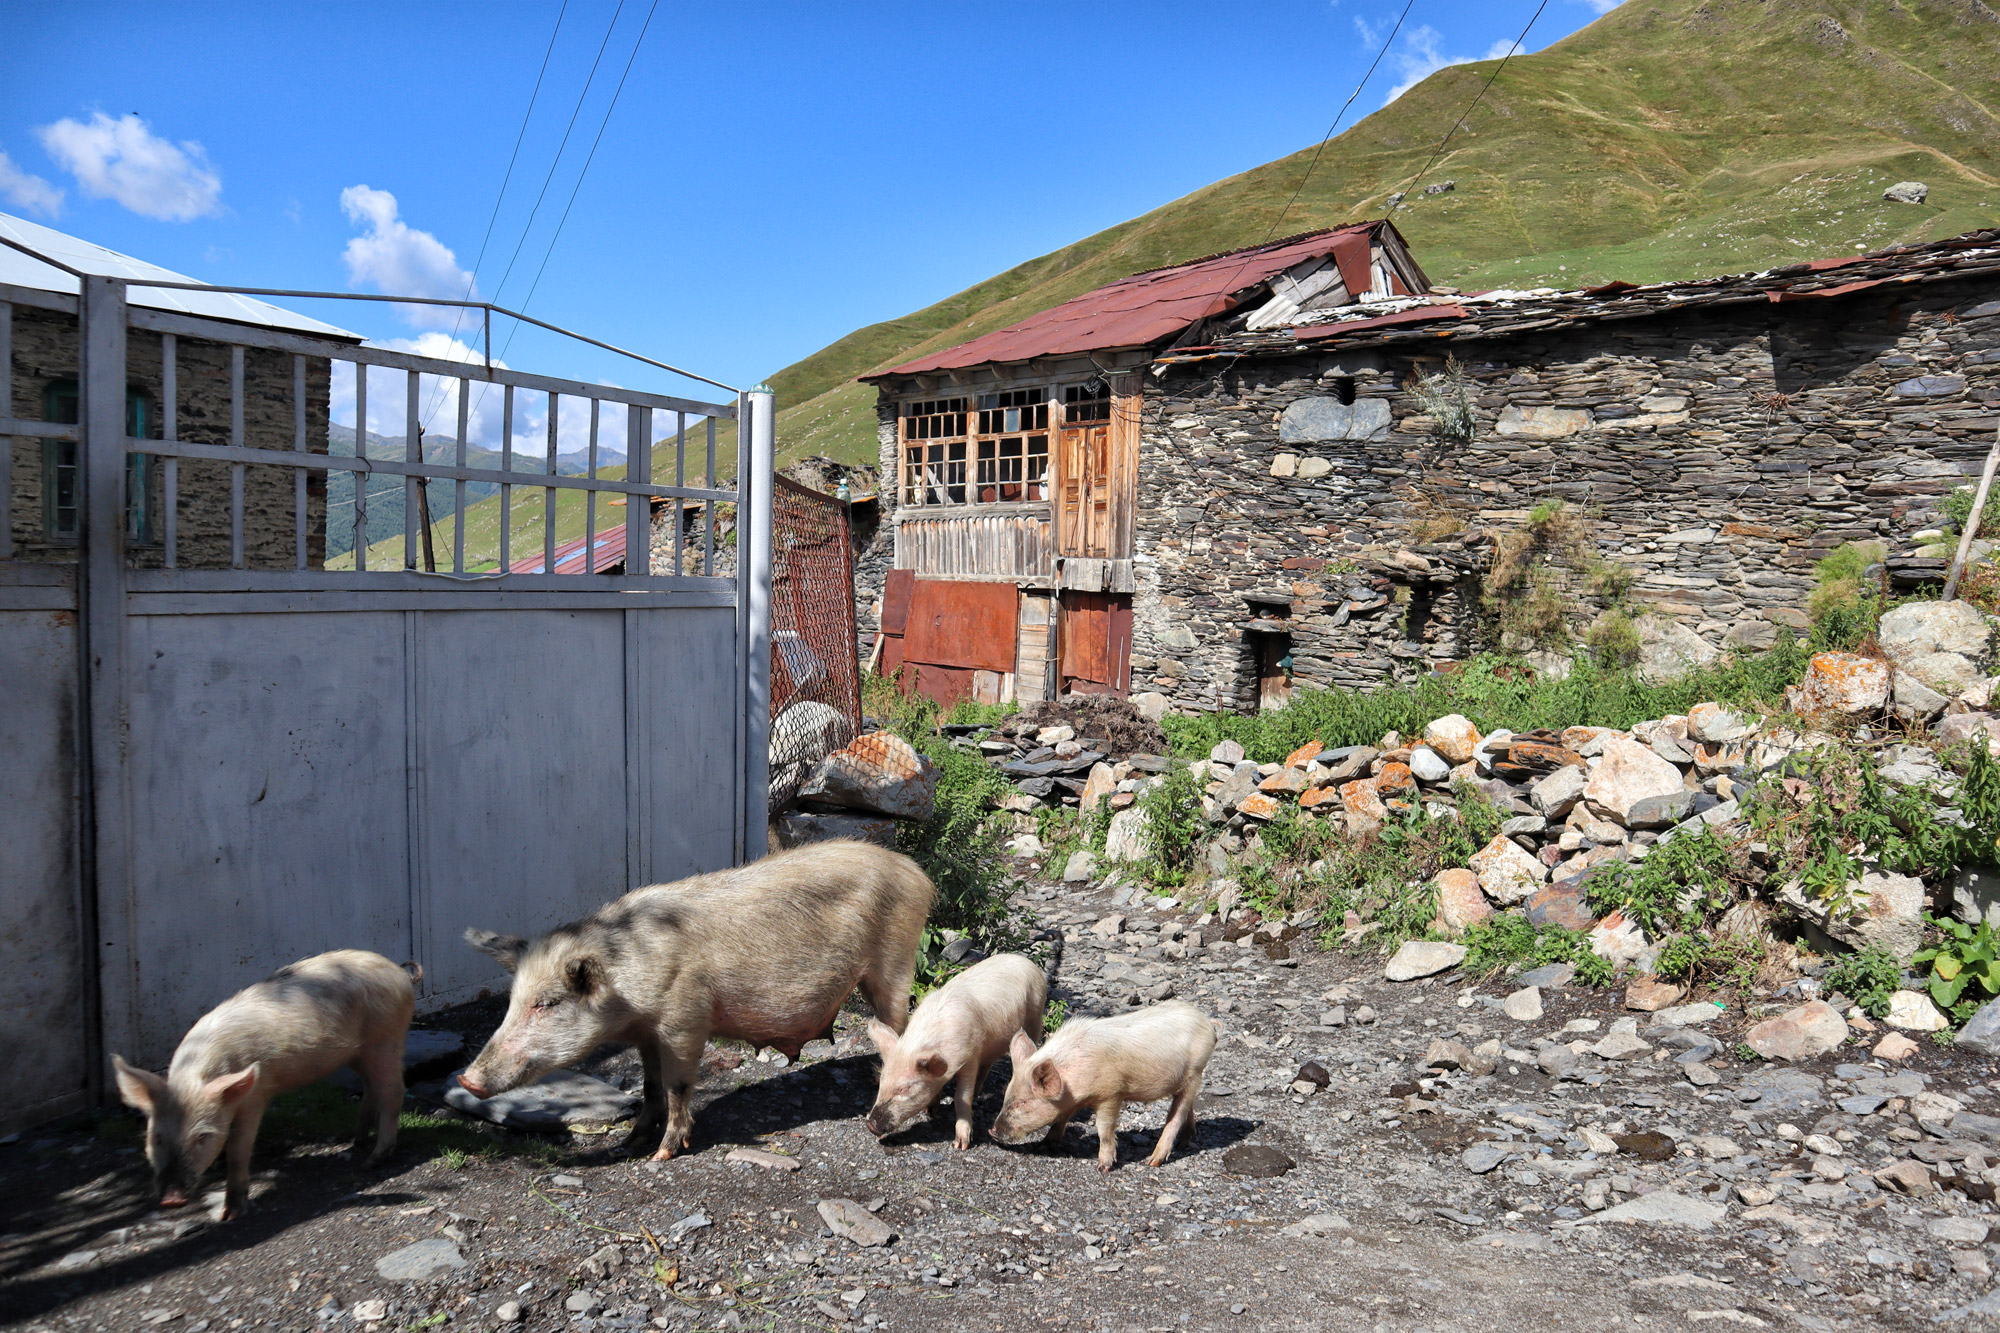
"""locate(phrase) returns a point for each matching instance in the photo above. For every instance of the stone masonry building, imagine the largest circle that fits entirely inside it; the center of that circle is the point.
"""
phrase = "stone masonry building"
(1310, 483)
(42, 478)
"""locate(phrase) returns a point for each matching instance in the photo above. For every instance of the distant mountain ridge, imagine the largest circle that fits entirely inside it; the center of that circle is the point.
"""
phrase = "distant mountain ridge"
(387, 493)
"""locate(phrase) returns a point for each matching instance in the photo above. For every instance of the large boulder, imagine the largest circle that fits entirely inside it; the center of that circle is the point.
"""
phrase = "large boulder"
(1557, 794)
(1627, 774)
(1715, 724)
(1798, 1034)
(1669, 649)
(1842, 683)
(880, 772)
(1461, 904)
(1945, 645)
(1506, 873)
(1453, 737)
(1125, 837)
(1885, 910)
(1361, 805)
(1956, 727)
(1423, 958)
(1981, 1032)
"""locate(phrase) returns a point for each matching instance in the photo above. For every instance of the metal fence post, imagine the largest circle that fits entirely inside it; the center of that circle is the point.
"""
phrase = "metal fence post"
(108, 958)
(756, 435)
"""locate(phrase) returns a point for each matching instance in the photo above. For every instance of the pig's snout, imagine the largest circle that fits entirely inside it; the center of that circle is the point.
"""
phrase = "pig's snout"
(472, 1085)
(880, 1122)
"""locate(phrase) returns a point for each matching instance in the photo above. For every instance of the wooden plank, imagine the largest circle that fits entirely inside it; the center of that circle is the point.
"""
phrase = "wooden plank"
(1096, 642)
(960, 623)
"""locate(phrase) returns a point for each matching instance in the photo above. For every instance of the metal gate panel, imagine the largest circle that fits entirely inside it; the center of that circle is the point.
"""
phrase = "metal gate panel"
(269, 813)
(42, 983)
(521, 764)
(685, 747)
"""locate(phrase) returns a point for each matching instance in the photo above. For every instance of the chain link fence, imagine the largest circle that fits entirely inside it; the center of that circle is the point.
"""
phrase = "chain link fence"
(815, 673)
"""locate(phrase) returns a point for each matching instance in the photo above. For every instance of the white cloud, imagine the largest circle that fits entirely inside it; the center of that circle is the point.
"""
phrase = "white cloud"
(27, 191)
(1371, 33)
(1600, 6)
(395, 258)
(124, 160)
(1421, 58)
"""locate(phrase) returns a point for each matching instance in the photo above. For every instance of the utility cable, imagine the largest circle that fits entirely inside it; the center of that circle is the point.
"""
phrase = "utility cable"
(472, 279)
(1460, 122)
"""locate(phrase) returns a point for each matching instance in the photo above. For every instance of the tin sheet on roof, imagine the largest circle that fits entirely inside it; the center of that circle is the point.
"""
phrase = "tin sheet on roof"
(1150, 307)
(21, 270)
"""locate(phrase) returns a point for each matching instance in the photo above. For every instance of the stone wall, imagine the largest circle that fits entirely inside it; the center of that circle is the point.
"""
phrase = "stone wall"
(1715, 456)
(45, 350)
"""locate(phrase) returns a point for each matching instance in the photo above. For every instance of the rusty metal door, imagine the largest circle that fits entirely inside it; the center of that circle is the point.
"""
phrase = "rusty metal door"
(1095, 642)
(1084, 491)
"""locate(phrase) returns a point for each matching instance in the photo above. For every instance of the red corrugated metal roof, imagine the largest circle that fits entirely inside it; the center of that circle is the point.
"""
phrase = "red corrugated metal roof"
(1151, 307)
(608, 550)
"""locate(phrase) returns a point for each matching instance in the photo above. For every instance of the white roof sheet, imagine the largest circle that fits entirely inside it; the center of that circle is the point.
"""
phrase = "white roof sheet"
(24, 271)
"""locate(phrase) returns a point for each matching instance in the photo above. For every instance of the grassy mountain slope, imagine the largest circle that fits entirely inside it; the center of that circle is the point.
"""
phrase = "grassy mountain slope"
(1671, 138)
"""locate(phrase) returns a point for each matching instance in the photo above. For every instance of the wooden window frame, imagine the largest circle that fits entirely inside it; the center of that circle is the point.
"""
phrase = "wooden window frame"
(61, 523)
(991, 465)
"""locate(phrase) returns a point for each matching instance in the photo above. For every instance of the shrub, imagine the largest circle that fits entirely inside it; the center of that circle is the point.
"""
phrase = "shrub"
(1445, 397)
(1843, 606)
(1176, 828)
(1499, 941)
(1493, 691)
(1957, 507)
(1866, 977)
(1614, 640)
(1679, 885)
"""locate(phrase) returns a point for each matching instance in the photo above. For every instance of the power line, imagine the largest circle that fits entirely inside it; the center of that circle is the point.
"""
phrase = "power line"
(557, 159)
(588, 159)
(1457, 124)
(1337, 119)
(472, 281)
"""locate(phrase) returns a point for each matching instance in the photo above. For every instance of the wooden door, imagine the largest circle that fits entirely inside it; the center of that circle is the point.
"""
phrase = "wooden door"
(1084, 491)
(1095, 642)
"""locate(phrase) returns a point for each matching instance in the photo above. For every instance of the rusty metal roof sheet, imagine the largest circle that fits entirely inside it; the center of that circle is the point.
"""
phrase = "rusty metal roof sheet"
(607, 550)
(1502, 313)
(1154, 306)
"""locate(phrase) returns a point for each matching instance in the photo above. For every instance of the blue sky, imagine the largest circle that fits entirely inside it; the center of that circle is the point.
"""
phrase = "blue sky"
(772, 176)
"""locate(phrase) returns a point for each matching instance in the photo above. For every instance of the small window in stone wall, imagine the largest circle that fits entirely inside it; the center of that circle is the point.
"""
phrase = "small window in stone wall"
(61, 493)
(1343, 389)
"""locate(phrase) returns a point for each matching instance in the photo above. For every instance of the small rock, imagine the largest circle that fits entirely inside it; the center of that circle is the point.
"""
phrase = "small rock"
(1620, 1046)
(1895, 1046)
(1082, 866)
(1689, 1015)
(1319, 1224)
(1650, 994)
(1461, 904)
(1906, 1177)
(769, 1160)
(1482, 1157)
(846, 1218)
(583, 1301)
(1913, 1012)
(1907, 192)
(1666, 1208)
(1555, 1061)
(419, 1262)
(1447, 1054)
(1452, 736)
(1422, 958)
(1700, 1074)
(370, 1312)
(1981, 1033)
(1428, 765)
(1957, 1230)
(1524, 1005)
(1798, 1034)
(1506, 873)
(508, 1312)
(1647, 1145)
(1259, 1161)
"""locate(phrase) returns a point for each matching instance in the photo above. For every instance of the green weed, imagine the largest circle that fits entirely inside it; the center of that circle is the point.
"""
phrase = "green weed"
(1963, 959)
(1843, 607)
(1867, 977)
(1594, 970)
(1680, 884)
(1175, 827)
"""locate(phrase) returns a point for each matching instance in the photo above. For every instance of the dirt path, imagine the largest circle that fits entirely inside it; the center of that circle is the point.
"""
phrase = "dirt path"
(1380, 1221)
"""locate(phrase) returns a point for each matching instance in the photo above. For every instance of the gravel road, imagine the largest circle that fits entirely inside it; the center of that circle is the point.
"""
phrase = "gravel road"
(1336, 1179)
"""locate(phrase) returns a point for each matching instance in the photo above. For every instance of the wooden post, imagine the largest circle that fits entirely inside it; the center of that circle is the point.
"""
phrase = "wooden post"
(424, 511)
(1972, 519)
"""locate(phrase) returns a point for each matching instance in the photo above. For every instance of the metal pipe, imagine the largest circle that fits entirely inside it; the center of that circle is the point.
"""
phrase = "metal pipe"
(753, 573)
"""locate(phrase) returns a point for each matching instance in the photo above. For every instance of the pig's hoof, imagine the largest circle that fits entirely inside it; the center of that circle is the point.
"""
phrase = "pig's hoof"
(1105, 1166)
(962, 1142)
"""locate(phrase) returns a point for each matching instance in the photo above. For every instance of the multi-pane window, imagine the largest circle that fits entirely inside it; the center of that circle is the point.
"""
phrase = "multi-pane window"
(1085, 403)
(60, 473)
(934, 452)
(1012, 450)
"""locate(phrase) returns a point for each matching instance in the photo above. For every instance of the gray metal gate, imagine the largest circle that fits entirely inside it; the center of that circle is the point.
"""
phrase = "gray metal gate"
(210, 772)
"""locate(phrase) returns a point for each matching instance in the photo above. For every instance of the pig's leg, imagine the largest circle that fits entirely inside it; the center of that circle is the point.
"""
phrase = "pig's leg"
(887, 988)
(382, 1076)
(1107, 1132)
(962, 1093)
(679, 1065)
(1057, 1128)
(653, 1111)
(236, 1157)
(1179, 1116)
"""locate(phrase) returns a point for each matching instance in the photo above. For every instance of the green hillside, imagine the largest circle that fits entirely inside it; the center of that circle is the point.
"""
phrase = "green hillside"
(1671, 138)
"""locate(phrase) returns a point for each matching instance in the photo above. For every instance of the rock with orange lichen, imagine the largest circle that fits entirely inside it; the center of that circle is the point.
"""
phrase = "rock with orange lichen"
(1844, 683)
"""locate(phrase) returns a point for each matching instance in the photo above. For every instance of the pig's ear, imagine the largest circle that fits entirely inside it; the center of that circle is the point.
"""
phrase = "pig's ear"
(229, 1089)
(1021, 1048)
(884, 1036)
(933, 1066)
(1047, 1080)
(584, 974)
(138, 1088)
(502, 949)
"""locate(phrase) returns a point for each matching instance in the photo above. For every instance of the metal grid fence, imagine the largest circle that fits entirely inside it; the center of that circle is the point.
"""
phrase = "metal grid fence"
(815, 673)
